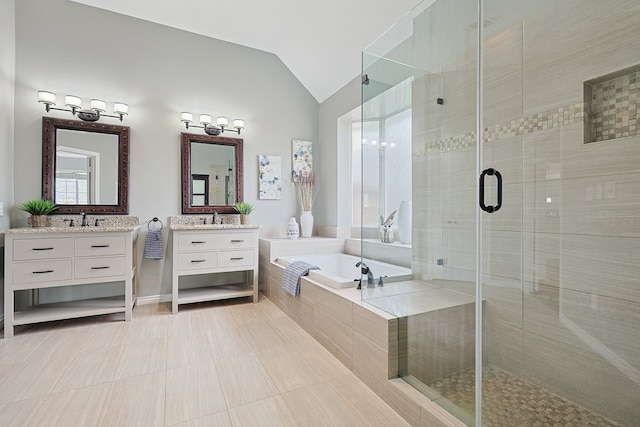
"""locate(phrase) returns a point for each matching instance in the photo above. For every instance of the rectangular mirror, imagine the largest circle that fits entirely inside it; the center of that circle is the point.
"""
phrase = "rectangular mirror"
(85, 166)
(211, 173)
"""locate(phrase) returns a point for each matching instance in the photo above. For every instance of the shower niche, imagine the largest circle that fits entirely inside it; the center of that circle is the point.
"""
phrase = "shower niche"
(611, 106)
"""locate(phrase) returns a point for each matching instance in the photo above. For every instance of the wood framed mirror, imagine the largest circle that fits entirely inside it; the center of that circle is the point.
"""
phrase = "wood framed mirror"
(85, 166)
(211, 173)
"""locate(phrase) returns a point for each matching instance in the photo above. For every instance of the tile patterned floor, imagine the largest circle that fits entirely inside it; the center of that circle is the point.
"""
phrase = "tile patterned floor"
(216, 364)
(510, 401)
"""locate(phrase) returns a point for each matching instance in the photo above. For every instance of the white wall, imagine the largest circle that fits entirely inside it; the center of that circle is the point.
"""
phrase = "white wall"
(7, 77)
(332, 205)
(159, 71)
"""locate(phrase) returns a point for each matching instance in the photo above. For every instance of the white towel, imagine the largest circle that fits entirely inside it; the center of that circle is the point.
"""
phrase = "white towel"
(292, 275)
(153, 244)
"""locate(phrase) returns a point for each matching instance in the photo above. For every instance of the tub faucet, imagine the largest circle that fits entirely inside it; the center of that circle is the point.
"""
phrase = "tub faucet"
(364, 269)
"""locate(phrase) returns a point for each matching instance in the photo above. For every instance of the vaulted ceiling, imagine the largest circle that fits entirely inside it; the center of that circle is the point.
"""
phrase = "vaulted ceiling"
(320, 41)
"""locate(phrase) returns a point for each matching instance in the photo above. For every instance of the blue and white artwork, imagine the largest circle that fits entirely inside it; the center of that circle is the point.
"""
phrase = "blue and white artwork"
(269, 177)
(302, 158)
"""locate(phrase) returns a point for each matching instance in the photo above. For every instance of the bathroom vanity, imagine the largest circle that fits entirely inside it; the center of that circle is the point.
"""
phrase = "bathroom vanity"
(57, 257)
(209, 250)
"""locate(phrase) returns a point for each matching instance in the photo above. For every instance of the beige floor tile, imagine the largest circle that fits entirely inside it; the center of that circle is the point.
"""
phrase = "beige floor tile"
(186, 323)
(188, 349)
(144, 357)
(244, 380)
(271, 412)
(289, 369)
(184, 370)
(262, 335)
(321, 405)
(220, 419)
(90, 368)
(78, 407)
(372, 407)
(19, 414)
(226, 342)
(192, 392)
(137, 401)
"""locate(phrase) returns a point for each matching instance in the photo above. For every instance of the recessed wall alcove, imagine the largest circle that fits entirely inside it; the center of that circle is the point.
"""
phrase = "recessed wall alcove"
(611, 102)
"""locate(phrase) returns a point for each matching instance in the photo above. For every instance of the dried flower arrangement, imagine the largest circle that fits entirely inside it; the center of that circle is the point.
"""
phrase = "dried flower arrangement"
(305, 185)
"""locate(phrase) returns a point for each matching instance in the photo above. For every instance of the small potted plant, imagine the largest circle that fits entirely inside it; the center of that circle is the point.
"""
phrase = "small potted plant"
(244, 209)
(39, 209)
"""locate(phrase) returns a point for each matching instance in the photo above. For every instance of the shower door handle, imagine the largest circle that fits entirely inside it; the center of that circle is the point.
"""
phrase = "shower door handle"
(491, 172)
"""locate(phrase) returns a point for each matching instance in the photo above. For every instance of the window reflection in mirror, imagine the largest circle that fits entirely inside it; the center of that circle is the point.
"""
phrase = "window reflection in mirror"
(86, 168)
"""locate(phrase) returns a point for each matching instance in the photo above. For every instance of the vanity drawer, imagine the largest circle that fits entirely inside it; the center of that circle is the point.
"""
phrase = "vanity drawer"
(89, 268)
(100, 245)
(197, 261)
(41, 271)
(197, 241)
(236, 240)
(33, 249)
(236, 258)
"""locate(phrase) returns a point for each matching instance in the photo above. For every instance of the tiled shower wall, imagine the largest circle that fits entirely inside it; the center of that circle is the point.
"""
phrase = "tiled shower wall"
(561, 271)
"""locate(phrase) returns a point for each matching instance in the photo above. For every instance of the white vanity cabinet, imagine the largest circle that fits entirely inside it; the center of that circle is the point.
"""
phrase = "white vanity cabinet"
(51, 258)
(214, 249)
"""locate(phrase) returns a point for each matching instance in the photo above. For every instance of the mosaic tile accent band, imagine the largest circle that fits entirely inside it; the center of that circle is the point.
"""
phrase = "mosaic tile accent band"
(565, 115)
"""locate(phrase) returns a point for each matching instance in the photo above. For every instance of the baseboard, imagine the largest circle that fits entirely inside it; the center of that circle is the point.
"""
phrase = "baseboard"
(153, 299)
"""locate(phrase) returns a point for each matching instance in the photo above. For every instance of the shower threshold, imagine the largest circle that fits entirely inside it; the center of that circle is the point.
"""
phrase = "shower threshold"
(507, 401)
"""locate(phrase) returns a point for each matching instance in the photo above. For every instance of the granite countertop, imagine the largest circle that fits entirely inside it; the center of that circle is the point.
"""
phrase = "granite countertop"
(179, 227)
(53, 230)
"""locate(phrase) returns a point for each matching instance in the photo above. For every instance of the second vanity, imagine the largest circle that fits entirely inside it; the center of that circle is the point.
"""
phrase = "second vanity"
(60, 257)
(208, 250)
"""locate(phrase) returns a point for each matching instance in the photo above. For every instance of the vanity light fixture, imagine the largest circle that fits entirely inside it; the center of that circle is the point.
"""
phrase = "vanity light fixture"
(221, 126)
(74, 106)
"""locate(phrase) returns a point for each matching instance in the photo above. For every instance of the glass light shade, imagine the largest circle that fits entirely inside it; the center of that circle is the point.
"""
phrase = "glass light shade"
(222, 121)
(46, 97)
(205, 119)
(97, 105)
(238, 124)
(120, 108)
(186, 117)
(72, 101)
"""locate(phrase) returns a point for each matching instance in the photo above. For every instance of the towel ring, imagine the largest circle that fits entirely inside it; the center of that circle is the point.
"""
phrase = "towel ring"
(155, 219)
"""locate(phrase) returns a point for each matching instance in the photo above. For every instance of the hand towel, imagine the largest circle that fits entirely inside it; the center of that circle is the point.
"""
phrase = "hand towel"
(293, 274)
(153, 244)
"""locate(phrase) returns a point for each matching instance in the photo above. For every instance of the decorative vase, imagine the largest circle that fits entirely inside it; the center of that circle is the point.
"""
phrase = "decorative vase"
(293, 231)
(244, 219)
(38, 220)
(404, 222)
(306, 223)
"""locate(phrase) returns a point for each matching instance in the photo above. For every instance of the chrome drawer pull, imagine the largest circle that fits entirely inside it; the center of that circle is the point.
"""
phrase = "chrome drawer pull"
(198, 260)
(237, 258)
(100, 268)
(43, 272)
(99, 246)
(42, 249)
(197, 242)
(236, 241)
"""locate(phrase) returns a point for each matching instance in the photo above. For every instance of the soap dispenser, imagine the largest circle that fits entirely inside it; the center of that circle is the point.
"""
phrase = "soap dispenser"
(293, 231)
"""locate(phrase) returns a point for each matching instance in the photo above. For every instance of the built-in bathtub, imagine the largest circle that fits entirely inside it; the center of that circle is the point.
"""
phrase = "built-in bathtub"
(339, 270)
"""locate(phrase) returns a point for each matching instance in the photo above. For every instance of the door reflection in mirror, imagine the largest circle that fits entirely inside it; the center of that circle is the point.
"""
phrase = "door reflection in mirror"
(86, 168)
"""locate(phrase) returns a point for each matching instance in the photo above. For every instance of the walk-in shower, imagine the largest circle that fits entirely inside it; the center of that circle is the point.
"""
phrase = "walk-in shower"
(526, 312)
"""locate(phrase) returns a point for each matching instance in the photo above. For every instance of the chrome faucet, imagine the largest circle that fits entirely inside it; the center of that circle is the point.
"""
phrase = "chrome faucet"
(215, 217)
(364, 269)
(85, 221)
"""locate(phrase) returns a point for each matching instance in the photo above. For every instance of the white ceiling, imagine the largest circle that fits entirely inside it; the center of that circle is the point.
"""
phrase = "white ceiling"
(320, 41)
